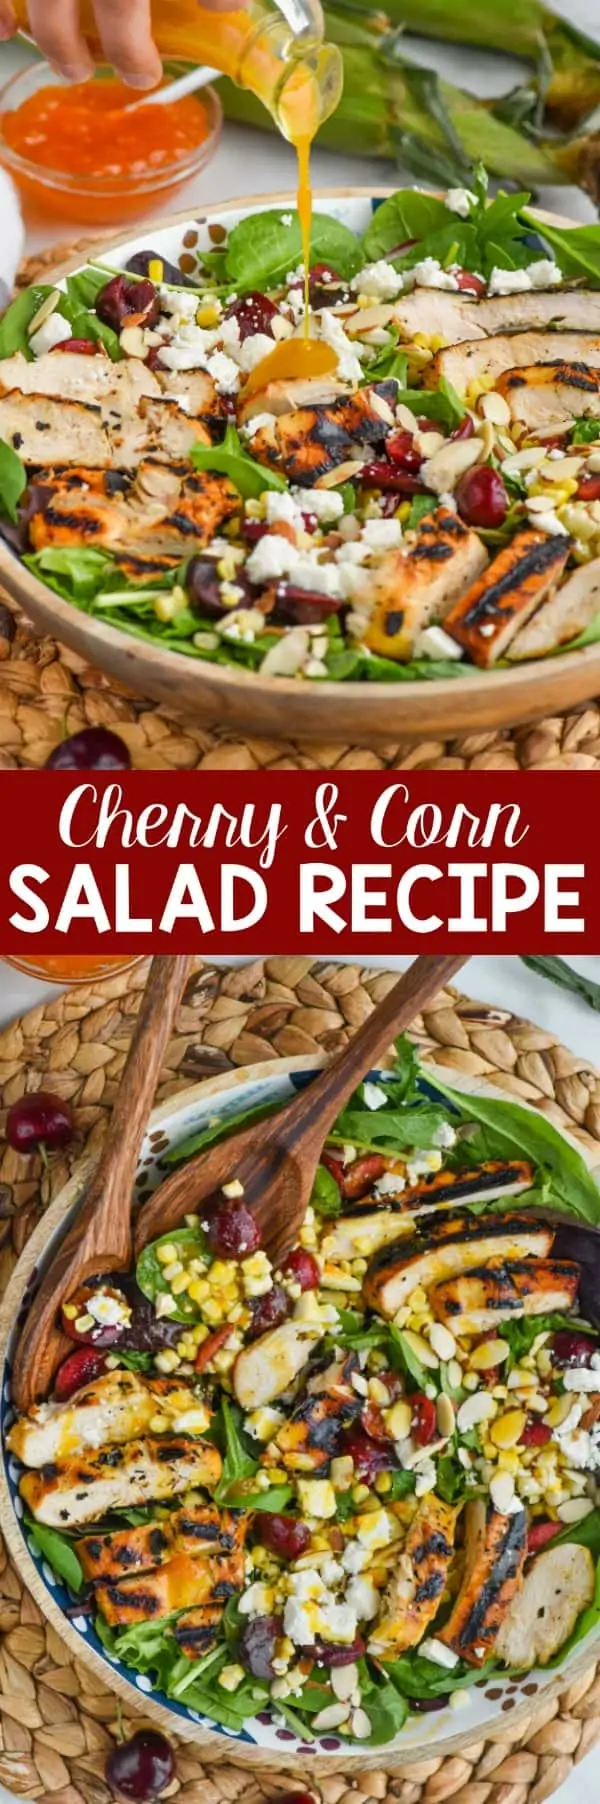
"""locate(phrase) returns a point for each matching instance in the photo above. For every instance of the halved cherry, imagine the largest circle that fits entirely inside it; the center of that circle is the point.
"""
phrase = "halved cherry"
(540, 1534)
(81, 1367)
(400, 446)
(465, 430)
(424, 1419)
(85, 347)
(361, 1174)
(468, 283)
(380, 475)
(589, 488)
(536, 1433)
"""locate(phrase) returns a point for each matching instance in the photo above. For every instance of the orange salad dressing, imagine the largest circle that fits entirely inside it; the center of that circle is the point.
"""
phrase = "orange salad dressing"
(297, 358)
(73, 968)
(88, 131)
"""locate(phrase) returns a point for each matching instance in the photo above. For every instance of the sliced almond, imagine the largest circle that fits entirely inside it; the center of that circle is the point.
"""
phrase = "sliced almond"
(287, 657)
(441, 472)
(342, 473)
(445, 1417)
(494, 407)
(132, 341)
(332, 1717)
(43, 313)
(344, 1680)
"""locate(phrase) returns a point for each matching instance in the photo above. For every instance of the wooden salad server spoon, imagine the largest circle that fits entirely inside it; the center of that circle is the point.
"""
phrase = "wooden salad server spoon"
(100, 1238)
(275, 1160)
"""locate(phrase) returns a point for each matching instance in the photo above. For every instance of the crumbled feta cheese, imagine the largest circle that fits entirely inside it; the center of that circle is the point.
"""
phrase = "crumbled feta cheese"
(325, 503)
(257, 424)
(298, 1623)
(390, 1184)
(509, 281)
(280, 505)
(354, 1558)
(374, 1530)
(433, 642)
(286, 219)
(378, 279)
(316, 1497)
(338, 1621)
(425, 1478)
(432, 1649)
(54, 331)
(263, 1423)
(355, 585)
(430, 274)
(271, 558)
(256, 1601)
(422, 1163)
(229, 333)
(107, 1310)
(352, 552)
(349, 367)
(380, 535)
(445, 1135)
(374, 1096)
(545, 273)
(253, 349)
(224, 372)
(306, 1585)
(307, 575)
(460, 200)
(362, 1598)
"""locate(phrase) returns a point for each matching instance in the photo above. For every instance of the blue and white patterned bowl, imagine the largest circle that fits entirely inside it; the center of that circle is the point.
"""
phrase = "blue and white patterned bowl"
(266, 1739)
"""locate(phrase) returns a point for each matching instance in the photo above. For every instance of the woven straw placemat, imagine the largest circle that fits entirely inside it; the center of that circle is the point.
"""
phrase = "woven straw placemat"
(47, 691)
(56, 1726)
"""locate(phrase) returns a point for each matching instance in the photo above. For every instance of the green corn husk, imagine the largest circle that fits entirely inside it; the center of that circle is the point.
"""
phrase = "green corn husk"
(523, 28)
(390, 108)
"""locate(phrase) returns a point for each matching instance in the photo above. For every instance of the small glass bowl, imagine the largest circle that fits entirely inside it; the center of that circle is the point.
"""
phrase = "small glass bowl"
(74, 969)
(94, 201)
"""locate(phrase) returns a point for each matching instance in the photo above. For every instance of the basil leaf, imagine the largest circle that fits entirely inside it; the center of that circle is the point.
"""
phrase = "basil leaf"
(13, 481)
(231, 459)
(59, 1553)
(262, 250)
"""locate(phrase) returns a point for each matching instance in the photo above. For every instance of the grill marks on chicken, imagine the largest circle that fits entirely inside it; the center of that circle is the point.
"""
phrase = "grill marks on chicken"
(479, 1300)
(308, 442)
(197, 1530)
(415, 1591)
(71, 1493)
(488, 358)
(410, 587)
(167, 510)
(495, 1549)
(446, 1248)
(487, 618)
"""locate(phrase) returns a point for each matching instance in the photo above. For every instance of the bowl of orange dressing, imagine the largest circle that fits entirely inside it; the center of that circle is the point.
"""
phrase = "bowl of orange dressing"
(82, 153)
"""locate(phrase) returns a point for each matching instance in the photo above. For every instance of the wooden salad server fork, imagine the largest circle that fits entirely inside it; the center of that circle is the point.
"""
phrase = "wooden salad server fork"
(100, 1238)
(275, 1160)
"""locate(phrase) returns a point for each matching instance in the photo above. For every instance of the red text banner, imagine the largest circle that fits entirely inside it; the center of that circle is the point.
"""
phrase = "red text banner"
(341, 863)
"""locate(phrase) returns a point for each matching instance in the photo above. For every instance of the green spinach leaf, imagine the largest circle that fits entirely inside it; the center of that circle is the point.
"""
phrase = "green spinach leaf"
(263, 249)
(60, 1554)
(238, 1464)
(150, 1271)
(13, 481)
(514, 1132)
(231, 459)
(14, 335)
(576, 248)
(326, 1196)
(407, 214)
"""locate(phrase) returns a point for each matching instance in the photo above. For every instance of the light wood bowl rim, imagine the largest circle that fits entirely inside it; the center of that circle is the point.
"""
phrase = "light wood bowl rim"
(327, 711)
(391, 1759)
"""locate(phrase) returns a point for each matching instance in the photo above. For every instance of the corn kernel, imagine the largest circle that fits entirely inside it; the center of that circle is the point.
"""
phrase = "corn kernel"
(180, 1284)
(199, 1290)
(383, 1483)
(172, 1270)
(506, 1431)
(207, 316)
(158, 1424)
(156, 269)
(509, 1460)
(84, 1323)
(231, 1676)
(213, 1311)
(168, 1360)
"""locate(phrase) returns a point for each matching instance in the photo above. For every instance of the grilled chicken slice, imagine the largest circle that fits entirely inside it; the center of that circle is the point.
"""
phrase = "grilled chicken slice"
(567, 614)
(310, 441)
(480, 1299)
(264, 1370)
(115, 1408)
(412, 587)
(483, 359)
(549, 396)
(166, 511)
(486, 619)
(70, 1493)
(181, 1584)
(196, 1630)
(285, 397)
(360, 1234)
(495, 1549)
(196, 395)
(457, 318)
(559, 1585)
(71, 376)
(414, 1594)
(445, 1248)
(196, 1531)
(103, 435)
(311, 1437)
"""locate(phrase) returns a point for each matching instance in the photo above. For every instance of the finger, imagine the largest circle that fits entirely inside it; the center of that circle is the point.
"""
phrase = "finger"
(54, 24)
(8, 23)
(124, 27)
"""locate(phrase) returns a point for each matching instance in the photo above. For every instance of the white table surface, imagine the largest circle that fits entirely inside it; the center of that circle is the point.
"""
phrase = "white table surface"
(248, 163)
(509, 983)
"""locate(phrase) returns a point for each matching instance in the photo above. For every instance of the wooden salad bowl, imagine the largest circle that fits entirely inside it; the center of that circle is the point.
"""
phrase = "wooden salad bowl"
(393, 1757)
(282, 707)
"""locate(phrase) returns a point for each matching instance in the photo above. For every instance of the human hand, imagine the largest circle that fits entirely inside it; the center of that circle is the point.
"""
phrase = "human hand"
(124, 28)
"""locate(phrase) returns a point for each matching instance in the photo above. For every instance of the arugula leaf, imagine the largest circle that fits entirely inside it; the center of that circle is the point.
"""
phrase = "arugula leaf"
(559, 972)
(326, 1196)
(407, 214)
(585, 432)
(390, 362)
(221, 1128)
(136, 1362)
(75, 574)
(411, 1127)
(13, 481)
(14, 323)
(237, 1463)
(262, 250)
(405, 1071)
(514, 1132)
(150, 1273)
(522, 1334)
(60, 1554)
(420, 506)
(230, 458)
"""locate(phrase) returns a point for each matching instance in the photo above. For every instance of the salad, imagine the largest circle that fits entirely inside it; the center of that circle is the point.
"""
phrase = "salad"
(344, 1490)
(428, 507)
